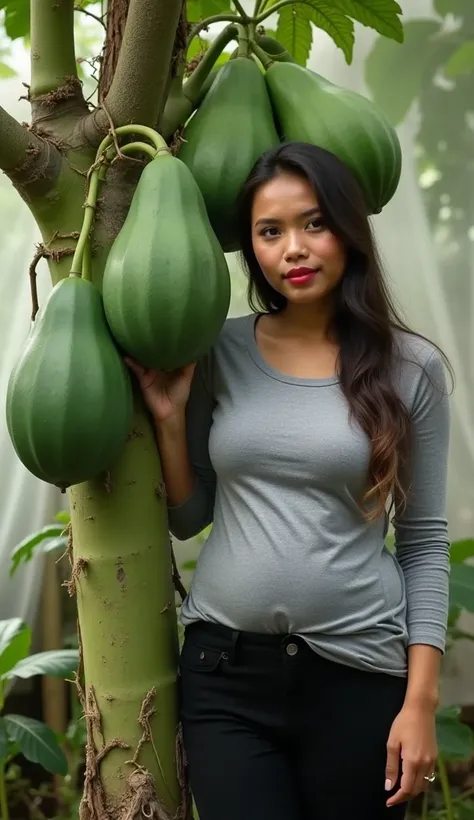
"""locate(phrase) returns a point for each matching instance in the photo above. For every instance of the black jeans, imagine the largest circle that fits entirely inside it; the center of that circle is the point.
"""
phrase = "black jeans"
(273, 731)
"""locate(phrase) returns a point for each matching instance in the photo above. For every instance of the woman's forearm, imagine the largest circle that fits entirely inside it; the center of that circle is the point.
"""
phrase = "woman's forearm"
(178, 473)
(423, 676)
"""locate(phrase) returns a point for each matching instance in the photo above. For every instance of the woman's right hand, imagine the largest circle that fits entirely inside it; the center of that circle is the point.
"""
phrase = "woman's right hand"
(165, 394)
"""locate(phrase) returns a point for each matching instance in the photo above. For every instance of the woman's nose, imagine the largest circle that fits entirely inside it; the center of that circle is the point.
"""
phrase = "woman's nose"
(296, 247)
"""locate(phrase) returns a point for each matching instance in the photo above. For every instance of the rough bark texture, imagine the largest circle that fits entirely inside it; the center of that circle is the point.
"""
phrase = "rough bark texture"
(116, 18)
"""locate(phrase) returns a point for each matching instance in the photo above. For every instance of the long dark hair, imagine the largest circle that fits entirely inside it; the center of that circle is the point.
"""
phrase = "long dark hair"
(365, 317)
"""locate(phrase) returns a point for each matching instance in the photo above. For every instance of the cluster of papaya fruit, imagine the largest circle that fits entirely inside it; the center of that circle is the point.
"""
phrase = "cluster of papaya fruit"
(255, 110)
(166, 285)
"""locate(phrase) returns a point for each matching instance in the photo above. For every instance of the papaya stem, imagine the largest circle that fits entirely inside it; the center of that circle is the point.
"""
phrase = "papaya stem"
(193, 85)
(267, 12)
(240, 9)
(262, 55)
(94, 177)
(80, 265)
(216, 18)
(144, 130)
(136, 147)
(244, 44)
(86, 267)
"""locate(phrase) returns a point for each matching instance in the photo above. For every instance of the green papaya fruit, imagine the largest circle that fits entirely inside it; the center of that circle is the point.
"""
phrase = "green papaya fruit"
(69, 397)
(309, 108)
(166, 285)
(227, 134)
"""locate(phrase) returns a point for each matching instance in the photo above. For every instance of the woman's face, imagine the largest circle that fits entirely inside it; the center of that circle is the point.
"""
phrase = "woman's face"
(298, 255)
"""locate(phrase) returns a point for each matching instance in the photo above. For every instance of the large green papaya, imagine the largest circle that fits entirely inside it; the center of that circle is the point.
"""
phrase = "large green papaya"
(69, 398)
(230, 130)
(166, 286)
(309, 108)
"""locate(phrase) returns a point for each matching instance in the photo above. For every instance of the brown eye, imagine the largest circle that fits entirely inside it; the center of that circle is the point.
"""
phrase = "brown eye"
(268, 235)
(316, 224)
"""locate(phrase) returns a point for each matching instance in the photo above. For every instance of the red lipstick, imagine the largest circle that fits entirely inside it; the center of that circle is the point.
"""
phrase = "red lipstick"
(300, 276)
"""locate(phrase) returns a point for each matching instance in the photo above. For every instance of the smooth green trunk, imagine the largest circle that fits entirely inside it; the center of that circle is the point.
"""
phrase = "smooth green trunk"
(127, 619)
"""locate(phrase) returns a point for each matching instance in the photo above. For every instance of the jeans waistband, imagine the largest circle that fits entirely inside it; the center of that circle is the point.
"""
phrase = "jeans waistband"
(228, 639)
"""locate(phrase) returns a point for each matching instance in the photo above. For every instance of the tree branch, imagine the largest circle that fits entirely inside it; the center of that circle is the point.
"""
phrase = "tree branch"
(31, 163)
(53, 60)
(89, 14)
(240, 9)
(217, 18)
(15, 140)
(276, 7)
(141, 76)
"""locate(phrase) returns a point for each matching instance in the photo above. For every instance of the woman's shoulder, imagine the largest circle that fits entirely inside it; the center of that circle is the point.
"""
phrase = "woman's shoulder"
(419, 367)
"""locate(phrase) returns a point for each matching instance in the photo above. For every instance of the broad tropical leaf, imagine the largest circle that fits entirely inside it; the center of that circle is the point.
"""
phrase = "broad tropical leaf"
(381, 15)
(37, 743)
(3, 739)
(461, 592)
(23, 552)
(462, 61)
(17, 17)
(335, 23)
(407, 63)
(455, 739)
(57, 663)
(15, 640)
(294, 31)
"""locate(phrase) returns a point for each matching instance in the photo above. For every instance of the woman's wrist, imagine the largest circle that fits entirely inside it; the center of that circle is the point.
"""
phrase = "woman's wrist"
(171, 427)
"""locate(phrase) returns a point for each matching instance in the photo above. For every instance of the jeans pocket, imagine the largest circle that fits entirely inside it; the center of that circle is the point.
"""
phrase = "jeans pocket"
(200, 658)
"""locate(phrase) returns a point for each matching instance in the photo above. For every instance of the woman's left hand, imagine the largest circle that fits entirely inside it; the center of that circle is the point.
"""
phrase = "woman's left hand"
(411, 744)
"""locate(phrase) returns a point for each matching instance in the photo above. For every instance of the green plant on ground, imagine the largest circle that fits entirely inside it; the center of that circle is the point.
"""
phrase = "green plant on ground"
(20, 734)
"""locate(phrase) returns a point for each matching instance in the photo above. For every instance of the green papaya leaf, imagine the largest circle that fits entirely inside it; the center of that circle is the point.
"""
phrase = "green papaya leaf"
(3, 739)
(57, 663)
(335, 23)
(461, 550)
(15, 640)
(462, 61)
(294, 31)
(17, 17)
(461, 587)
(37, 743)
(23, 552)
(394, 73)
(455, 739)
(381, 15)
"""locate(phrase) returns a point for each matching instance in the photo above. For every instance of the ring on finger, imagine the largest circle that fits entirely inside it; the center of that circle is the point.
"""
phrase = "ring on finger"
(430, 777)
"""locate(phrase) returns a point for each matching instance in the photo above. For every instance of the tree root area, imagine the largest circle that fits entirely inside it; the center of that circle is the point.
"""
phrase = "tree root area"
(139, 800)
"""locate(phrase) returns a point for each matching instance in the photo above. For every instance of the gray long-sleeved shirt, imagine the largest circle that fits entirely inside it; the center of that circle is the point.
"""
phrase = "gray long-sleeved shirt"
(280, 470)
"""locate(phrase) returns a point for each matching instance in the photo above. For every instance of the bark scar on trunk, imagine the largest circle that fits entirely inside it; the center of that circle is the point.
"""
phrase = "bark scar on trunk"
(94, 803)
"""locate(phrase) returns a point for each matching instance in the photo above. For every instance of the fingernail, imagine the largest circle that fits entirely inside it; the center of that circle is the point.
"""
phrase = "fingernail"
(388, 785)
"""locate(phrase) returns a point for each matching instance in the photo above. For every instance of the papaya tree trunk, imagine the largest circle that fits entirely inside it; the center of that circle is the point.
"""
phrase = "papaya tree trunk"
(122, 576)
(119, 544)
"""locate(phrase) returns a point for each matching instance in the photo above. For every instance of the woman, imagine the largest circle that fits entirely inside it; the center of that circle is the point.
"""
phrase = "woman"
(309, 671)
